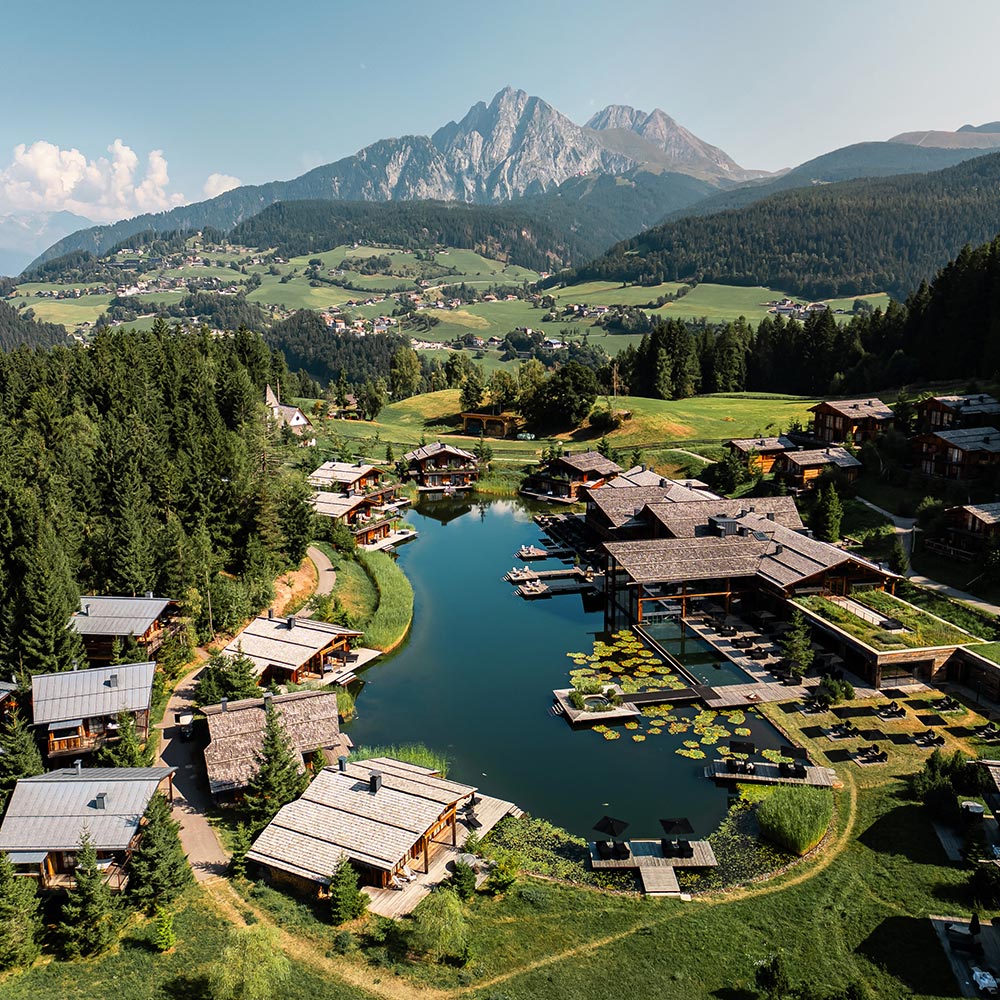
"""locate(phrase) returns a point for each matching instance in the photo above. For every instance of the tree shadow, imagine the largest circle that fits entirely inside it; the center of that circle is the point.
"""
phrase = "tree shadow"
(931, 720)
(909, 949)
(185, 987)
(905, 831)
(730, 993)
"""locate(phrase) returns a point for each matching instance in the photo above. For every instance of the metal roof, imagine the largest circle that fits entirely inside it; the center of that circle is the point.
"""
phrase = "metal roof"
(87, 694)
(48, 812)
(270, 642)
(118, 615)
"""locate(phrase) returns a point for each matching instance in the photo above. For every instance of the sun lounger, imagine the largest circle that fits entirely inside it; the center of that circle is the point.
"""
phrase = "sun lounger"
(686, 850)
(604, 850)
(621, 851)
(669, 848)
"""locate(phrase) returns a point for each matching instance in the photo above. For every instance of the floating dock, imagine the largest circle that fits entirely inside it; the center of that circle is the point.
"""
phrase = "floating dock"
(770, 774)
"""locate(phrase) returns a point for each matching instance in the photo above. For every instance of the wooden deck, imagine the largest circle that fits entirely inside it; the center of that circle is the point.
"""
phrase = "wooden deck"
(399, 902)
(659, 881)
(649, 854)
(766, 773)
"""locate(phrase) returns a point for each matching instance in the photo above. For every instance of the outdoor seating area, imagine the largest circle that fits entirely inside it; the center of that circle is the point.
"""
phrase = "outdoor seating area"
(870, 755)
(891, 711)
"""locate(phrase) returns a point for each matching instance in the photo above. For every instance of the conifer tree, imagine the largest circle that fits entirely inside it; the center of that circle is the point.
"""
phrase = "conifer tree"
(165, 936)
(19, 754)
(128, 750)
(159, 871)
(242, 841)
(20, 919)
(797, 644)
(91, 916)
(827, 514)
(278, 779)
(347, 901)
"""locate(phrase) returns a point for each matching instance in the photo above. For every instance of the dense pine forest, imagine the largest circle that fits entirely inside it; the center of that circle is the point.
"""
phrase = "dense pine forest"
(847, 238)
(17, 328)
(142, 462)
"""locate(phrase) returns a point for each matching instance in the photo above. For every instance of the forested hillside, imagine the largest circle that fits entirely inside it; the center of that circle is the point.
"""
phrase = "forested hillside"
(142, 462)
(17, 329)
(849, 238)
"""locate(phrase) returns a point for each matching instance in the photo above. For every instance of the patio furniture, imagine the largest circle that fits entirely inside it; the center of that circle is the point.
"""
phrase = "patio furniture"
(604, 850)
(669, 847)
(686, 849)
(621, 850)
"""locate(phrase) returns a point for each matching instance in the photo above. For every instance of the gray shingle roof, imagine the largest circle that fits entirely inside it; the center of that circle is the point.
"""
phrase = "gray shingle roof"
(763, 446)
(48, 812)
(590, 461)
(337, 504)
(87, 694)
(339, 815)
(270, 642)
(437, 448)
(971, 438)
(979, 403)
(685, 520)
(120, 616)
(858, 409)
(987, 513)
(310, 720)
(621, 504)
(840, 457)
(343, 473)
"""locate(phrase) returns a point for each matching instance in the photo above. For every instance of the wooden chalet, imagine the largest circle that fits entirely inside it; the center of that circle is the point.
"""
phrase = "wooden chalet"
(293, 650)
(350, 477)
(236, 728)
(966, 453)
(495, 425)
(370, 516)
(758, 455)
(382, 814)
(442, 467)
(564, 477)
(286, 416)
(78, 709)
(857, 420)
(47, 814)
(967, 531)
(104, 620)
(802, 469)
(945, 413)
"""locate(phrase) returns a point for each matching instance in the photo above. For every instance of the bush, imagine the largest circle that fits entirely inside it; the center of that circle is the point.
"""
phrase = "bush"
(795, 818)
(603, 420)
(343, 943)
(985, 885)
(504, 873)
(463, 881)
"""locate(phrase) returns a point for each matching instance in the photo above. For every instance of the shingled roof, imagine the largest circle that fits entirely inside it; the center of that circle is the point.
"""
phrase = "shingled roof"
(121, 616)
(49, 811)
(342, 473)
(971, 438)
(88, 694)
(986, 513)
(857, 409)
(236, 731)
(621, 504)
(269, 642)
(840, 457)
(339, 814)
(337, 504)
(978, 404)
(686, 520)
(764, 445)
(437, 448)
(590, 461)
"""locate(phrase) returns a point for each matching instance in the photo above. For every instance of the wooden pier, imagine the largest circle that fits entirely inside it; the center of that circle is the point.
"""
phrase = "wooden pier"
(770, 774)
(529, 553)
(656, 870)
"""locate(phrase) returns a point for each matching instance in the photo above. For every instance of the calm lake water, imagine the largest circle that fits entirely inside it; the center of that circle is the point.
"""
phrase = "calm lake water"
(476, 676)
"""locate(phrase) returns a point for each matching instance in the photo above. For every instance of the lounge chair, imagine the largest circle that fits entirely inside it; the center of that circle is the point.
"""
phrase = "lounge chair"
(604, 850)
(621, 851)
(669, 848)
(686, 849)
(396, 883)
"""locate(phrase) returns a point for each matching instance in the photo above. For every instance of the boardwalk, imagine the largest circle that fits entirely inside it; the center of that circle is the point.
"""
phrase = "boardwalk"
(770, 774)
(659, 881)
(649, 854)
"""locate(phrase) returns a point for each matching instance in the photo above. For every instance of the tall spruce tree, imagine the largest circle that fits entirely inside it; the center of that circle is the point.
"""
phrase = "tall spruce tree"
(91, 916)
(19, 753)
(347, 901)
(159, 871)
(20, 919)
(278, 779)
(827, 514)
(128, 750)
(797, 644)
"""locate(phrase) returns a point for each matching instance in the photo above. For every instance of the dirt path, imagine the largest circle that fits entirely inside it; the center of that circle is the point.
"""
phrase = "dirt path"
(326, 575)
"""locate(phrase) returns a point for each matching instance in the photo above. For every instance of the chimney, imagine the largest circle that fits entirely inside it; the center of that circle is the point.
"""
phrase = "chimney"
(270, 613)
(291, 621)
(374, 781)
(268, 700)
(663, 484)
(770, 515)
(78, 766)
(342, 764)
(101, 800)
(224, 704)
(149, 594)
(113, 681)
(86, 610)
(778, 549)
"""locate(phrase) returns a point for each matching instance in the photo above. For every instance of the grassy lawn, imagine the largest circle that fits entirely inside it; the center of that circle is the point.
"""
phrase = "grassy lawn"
(388, 626)
(965, 576)
(354, 587)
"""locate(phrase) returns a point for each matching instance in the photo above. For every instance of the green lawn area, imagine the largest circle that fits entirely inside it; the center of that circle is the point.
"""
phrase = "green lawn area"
(354, 587)
(70, 312)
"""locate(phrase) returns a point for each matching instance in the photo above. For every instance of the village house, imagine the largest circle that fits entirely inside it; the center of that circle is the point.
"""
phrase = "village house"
(563, 478)
(286, 416)
(348, 477)
(758, 455)
(78, 709)
(293, 650)
(803, 469)
(371, 517)
(967, 531)
(47, 814)
(103, 621)
(384, 815)
(856, 420)
(967, 453)
(944, 413)
(440, 466)
(496, 425)
(236, 729)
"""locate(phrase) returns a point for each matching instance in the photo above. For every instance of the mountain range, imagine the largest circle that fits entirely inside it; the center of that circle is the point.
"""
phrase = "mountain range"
(26, 234)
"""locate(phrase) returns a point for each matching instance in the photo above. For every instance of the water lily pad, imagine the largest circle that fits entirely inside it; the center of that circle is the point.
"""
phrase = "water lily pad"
(631, 725)
(742, 731)
(612, 734)
(638, 738)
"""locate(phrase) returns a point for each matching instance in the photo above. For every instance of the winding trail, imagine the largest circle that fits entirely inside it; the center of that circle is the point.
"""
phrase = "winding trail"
(326, 574)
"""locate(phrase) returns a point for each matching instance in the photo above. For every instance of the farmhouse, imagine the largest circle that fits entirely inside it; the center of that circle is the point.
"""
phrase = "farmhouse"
(802, 469)
(943, 413)
(382, 814)
(236, 729)
(78, 709)
(102, 621)
(292, 649)
(562, 478)
(440, 466)
(758, 455)
(47, 814)
(962, 454)
(857, 420)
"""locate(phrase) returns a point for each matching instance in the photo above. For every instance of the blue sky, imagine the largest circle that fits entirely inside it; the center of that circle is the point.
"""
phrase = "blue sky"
(257, 91)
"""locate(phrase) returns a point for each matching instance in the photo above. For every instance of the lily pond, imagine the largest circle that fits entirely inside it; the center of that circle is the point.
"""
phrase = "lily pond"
(475, 679)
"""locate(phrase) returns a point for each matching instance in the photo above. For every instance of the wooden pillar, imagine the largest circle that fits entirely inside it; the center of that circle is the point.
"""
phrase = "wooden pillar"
(454, 829)
(427, 856)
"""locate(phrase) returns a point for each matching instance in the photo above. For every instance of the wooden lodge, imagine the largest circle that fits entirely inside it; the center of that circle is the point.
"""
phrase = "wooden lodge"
(370, 516)
(293, 650)
(442, 467)
(803, 469)
(236, 728)
(104, 620)
(384, 815)
(46, 815)
(495, 425)
(967, 531)
(758, 455)
(963, 454)
(856, 420)
(564, 477)
(79, 709)
(946, 413)
(350, 477)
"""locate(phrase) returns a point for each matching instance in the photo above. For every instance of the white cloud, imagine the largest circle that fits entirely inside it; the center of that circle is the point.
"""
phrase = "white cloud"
(219, 184)
(44, 177)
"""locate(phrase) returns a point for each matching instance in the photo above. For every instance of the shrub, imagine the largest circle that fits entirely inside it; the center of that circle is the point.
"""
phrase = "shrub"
(604, 420)
(463, 881)
(795, 818)
(343, 943)
(576, 700)
(985, 885)
(504, 873)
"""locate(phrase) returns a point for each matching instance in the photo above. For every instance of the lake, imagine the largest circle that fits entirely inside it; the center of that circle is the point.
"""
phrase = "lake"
(475, 681)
